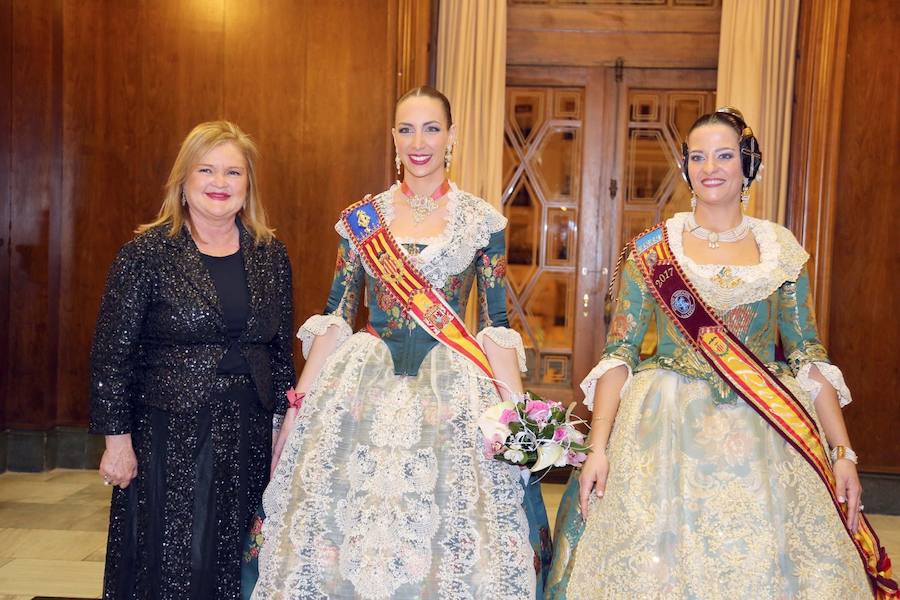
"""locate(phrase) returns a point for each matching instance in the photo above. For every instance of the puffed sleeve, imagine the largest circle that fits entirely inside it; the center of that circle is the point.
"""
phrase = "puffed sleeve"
(343, 300)
(116, 336)
(281, 346)
(800, 340)
(634, 309)
(490, 275)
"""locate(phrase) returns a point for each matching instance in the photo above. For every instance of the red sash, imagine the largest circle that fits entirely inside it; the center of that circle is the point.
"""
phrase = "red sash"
(385, 258)
(751, 380)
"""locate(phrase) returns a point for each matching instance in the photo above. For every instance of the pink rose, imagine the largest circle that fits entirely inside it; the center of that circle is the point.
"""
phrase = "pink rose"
(509, 416)
(560, 434)
(537, 410)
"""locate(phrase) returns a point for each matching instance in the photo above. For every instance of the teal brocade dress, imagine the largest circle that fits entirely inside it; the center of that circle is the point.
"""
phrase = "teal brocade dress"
(383, 489)
(704, 499)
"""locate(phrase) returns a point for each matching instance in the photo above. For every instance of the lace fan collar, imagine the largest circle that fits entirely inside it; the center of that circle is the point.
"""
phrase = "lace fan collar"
(780, 259)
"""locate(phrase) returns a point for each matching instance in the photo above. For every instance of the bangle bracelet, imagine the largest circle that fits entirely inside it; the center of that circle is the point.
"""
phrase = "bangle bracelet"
(839, 452)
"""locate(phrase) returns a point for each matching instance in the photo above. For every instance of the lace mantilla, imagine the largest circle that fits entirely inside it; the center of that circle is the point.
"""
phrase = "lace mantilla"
(724, 287)
(470, 223)
(317, 325)
(505, 338)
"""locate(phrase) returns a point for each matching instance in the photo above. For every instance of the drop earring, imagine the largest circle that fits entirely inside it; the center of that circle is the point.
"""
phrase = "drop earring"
(183, 197)
(397, 162)
(693, 200)
(448, 157)
(745, 197)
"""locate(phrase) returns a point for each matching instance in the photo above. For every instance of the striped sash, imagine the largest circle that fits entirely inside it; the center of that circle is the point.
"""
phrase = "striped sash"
(384, 257)
(751, 380)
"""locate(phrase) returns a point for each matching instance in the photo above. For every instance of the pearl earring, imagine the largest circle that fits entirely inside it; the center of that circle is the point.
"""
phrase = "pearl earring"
(397, 162)
(448, 157)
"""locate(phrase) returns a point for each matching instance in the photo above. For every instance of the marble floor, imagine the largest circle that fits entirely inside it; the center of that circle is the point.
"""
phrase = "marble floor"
(53, 533)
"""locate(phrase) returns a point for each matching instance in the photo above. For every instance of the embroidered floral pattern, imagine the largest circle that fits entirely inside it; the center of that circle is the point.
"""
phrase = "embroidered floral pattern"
(622, 325)
(723, 506)
(492, 270)
(256, 539)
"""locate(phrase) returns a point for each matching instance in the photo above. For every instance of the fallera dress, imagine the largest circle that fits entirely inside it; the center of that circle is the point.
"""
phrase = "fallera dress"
(383, 489)
(704, 500)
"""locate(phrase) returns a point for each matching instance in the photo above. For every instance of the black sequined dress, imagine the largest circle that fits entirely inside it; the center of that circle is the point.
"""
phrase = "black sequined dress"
(177, 530)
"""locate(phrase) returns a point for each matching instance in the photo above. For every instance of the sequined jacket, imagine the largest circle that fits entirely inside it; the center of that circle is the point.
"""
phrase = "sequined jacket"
(160, 332)
(471, 251)
(765, 305)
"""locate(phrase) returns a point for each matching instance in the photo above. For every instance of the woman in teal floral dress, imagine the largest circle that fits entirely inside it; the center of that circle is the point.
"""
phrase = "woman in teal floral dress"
(383, 489)
(692, 493)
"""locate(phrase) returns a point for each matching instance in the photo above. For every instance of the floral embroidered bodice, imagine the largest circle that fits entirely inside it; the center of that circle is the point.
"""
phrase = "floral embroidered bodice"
(470, 250)
(762, 304)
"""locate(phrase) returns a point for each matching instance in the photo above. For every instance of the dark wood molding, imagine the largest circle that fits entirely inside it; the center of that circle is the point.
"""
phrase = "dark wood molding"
(815, 138)
(598, 36)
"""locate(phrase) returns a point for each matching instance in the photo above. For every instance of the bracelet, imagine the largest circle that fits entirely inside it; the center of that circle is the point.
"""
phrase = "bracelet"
(295, 399)
(839, 452)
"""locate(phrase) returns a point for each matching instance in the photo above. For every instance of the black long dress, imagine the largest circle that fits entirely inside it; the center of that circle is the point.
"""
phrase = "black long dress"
(176, 532)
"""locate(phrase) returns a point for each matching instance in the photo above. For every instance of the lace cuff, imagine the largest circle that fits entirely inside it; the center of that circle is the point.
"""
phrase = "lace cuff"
(317, 325)
(590, 382)
(832, 374)
(505, 338)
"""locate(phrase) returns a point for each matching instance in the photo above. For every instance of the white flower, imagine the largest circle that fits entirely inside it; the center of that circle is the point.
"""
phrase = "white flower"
(490, 424)
(550, 455)
(515, 456)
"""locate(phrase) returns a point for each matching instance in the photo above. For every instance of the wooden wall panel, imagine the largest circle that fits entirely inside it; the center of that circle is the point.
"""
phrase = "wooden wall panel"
(651, 36)
(815, 138)
(34, 188)
(865, 294)
(100, 98)
(137, 78)
(321, 112)
(6, 43)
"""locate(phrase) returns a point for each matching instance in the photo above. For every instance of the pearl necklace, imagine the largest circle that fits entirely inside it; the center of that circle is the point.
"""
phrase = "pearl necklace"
(712, 237)
(422, 206)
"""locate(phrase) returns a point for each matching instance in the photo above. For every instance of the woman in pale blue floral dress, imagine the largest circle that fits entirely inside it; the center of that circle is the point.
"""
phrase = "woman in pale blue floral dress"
(383, 489)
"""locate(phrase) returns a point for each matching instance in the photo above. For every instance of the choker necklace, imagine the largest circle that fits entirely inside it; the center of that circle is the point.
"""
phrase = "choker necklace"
(422, 206)
(712, 237)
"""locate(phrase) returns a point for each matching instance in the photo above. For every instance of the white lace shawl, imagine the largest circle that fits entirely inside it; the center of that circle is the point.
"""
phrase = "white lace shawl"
(470, 223)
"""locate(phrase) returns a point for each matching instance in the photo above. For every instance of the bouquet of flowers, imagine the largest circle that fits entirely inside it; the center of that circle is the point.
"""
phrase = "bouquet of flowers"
(531, 432)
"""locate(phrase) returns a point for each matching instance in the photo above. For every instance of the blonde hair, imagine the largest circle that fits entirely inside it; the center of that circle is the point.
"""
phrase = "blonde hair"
(203, 138)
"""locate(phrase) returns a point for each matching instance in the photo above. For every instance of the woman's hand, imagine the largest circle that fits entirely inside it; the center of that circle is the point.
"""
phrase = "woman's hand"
(849, 490)
(592, 478)
(287, 426)
(118, 466)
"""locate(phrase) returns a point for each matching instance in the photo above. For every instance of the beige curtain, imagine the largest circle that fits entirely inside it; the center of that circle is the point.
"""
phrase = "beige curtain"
(471, 71)
(756, 75)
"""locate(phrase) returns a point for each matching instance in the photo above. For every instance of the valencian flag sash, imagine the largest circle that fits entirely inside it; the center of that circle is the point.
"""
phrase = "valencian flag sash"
(385, 258)
(750, 379)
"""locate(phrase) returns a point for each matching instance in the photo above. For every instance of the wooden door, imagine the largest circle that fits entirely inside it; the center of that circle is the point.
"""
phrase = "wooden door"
(592, 157)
